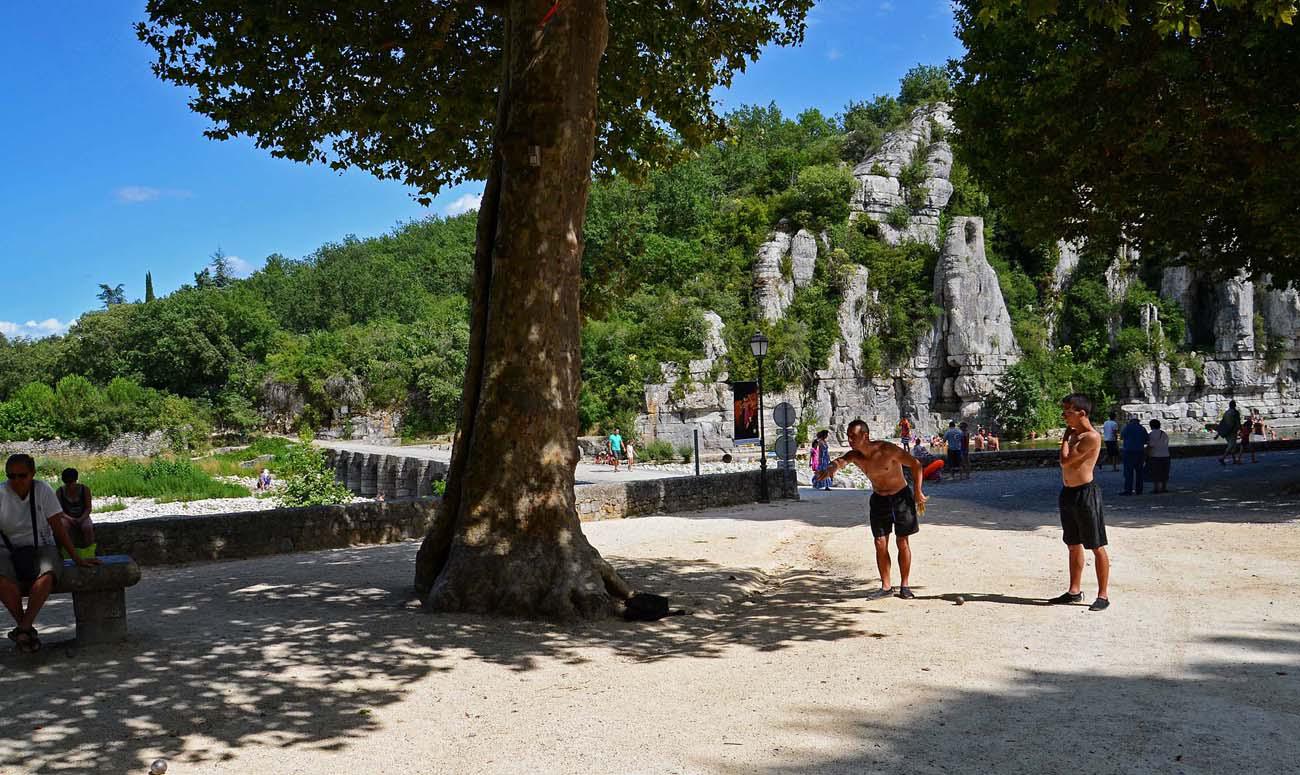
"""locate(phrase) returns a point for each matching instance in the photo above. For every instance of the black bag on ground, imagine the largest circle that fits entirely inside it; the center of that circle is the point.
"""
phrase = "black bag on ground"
(645, 607)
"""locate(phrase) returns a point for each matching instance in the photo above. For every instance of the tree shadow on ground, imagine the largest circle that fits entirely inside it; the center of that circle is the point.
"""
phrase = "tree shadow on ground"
(1200, 491)
(1237, 712)
(296, 651)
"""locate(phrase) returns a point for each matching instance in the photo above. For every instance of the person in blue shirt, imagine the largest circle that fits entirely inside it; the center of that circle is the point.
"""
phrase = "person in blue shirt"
(1134, 455)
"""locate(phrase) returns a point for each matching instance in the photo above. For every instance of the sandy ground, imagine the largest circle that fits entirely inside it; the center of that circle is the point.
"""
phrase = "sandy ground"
(320, 662)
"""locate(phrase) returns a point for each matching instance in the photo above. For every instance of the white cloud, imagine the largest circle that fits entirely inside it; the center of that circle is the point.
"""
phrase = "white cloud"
(834, 54)
(134, 195)
(33, 329)
(240, 267)
(886, 7)
(463, 204)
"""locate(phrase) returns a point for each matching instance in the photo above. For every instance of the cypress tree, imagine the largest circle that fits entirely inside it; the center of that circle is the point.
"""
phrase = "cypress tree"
(148, 287)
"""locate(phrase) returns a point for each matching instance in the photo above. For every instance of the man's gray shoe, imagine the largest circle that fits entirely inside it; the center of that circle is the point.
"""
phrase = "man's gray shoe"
(906, 593)
(1100, 604)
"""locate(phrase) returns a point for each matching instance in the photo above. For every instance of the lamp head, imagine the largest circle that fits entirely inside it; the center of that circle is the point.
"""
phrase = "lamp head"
(758, 344)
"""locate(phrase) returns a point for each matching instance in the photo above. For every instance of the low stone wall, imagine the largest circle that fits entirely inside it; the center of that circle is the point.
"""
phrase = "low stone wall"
(1050, 458)
(393, 476)
(685, 493)
(175, 540)
(172, 540)
(128, 445)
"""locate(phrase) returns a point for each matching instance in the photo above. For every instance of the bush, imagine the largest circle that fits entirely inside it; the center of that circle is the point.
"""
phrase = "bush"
(899, 217)
(307, 481)
(658, 451)
(684, 452)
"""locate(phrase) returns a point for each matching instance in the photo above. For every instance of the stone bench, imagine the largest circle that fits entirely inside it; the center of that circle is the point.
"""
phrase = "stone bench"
(99, 597)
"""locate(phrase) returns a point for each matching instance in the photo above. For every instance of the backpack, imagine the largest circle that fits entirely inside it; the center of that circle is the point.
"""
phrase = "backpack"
(645, 607)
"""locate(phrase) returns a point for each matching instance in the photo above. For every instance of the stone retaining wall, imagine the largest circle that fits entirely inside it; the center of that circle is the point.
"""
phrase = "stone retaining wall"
(173, 540)
(686, 493)
(127, 445)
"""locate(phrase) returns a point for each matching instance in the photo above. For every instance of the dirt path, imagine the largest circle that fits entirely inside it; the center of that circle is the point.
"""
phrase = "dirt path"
(320, 663)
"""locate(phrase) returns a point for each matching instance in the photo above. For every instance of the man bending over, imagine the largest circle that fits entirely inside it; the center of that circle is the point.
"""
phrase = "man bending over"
(893, 506)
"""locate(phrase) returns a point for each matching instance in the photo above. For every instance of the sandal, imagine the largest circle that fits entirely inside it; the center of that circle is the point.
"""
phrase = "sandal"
(27, 640)
(906, 593)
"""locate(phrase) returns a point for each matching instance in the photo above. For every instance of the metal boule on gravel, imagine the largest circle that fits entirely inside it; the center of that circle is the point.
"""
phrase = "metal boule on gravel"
(959, 600)
(158, 767)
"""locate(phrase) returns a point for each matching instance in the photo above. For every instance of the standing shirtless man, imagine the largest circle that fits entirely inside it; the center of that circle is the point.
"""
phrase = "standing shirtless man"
(893, 506)
(1080, 501)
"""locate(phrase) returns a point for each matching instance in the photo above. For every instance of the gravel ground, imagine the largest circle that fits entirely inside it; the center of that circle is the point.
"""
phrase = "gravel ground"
(321, 662)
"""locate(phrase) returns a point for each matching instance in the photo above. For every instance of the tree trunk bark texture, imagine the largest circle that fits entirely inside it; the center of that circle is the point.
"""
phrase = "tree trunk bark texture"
(507, 538)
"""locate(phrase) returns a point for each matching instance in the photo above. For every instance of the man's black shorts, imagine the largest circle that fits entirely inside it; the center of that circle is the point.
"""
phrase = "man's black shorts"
(1112, 448)
(890, 512)
(954, 458)
(1081, 516)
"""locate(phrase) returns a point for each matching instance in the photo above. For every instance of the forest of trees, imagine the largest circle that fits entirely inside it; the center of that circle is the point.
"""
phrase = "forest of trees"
(382, 323)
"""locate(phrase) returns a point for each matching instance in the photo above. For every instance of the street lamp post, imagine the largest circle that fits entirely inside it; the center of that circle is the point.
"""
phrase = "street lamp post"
(758, 346)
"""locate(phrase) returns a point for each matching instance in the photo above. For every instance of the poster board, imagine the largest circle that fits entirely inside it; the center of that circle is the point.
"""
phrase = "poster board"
(744, 396)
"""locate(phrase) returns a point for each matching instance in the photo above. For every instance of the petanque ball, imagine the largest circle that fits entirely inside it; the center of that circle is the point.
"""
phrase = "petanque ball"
(959, 600)
(158, 767)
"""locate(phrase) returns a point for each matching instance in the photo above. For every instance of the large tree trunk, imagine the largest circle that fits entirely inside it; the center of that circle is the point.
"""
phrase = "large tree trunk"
(507, 537)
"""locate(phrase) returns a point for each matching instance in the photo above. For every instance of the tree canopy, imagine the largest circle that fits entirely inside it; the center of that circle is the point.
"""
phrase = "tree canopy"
(407, 89)
(1168, 124)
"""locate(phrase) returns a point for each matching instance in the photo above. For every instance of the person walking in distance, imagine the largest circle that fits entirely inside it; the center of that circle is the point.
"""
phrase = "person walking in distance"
(1134, 454)
(1082, 523)
(894, 507)
(1158, 458)
(1229, 429)
(1110, 436)
(952, 439)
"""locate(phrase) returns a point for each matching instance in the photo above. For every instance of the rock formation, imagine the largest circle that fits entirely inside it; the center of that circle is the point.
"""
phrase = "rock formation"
(784, 263)
(881, 190)
(970, 344)
(977, 341)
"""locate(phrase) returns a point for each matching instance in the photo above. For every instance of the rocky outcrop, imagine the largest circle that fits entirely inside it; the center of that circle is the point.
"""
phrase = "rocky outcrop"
(971, 344)
(976, 342)
(881, 188)
(695, 397)
(1234, 318)
(784, 263)
(1280, 308)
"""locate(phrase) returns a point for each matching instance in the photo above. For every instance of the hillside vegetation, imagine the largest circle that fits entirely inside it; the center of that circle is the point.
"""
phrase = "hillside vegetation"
(381, 323)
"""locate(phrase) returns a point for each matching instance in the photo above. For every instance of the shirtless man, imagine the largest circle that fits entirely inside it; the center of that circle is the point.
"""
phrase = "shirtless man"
(893, 506)
(1080, 501)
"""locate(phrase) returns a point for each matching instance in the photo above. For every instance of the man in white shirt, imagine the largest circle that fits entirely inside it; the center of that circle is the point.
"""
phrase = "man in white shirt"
(1110, 437)
(31, 522)
(1158, 458)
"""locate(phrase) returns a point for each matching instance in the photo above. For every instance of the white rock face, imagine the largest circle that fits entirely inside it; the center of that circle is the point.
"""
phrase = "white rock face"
(803, 257)
(772, 292)
(880, 190)
(1281, 311)
(1234, 321)
(977, 338)
(773, 289)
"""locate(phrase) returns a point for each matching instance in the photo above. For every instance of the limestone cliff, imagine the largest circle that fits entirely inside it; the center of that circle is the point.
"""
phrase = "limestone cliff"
(1245, 335)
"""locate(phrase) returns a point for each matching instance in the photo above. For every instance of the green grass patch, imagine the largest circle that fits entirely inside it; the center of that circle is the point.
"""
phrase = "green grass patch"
(165, 481)
(230, 463)
(112, 506)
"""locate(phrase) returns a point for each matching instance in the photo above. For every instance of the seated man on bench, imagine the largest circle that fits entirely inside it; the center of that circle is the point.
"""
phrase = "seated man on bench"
(31, 521)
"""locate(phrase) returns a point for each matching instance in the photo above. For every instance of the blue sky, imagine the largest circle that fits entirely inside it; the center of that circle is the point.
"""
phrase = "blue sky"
(105, 173)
